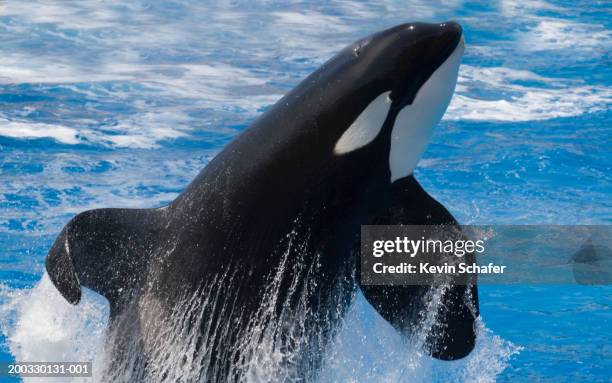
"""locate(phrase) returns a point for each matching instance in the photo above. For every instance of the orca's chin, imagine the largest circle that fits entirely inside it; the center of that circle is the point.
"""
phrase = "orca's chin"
(415, 121)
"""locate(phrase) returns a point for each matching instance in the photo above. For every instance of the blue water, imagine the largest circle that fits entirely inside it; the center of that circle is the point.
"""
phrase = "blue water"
(121, 105)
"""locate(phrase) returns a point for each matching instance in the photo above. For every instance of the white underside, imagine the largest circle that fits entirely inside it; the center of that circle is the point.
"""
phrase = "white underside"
(414, 123)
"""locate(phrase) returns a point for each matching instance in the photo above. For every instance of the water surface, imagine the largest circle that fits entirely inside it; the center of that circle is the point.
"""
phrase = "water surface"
(121, 105)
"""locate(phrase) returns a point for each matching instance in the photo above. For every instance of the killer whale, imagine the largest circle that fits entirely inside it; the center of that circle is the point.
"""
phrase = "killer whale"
(261, 244)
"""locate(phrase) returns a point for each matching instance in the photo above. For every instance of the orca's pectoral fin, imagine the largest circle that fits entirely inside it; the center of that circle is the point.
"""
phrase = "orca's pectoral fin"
(453, 335)
(104, 250)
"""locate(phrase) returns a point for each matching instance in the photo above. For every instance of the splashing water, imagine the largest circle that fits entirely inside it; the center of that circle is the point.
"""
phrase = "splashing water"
(41, 326)
(373, 351)
(275, 346)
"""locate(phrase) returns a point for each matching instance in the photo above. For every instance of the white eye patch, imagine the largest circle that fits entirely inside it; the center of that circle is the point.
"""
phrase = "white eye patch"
(366, 127)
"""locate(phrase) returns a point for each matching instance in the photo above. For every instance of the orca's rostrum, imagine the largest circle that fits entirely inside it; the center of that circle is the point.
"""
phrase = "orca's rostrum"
(261, 246)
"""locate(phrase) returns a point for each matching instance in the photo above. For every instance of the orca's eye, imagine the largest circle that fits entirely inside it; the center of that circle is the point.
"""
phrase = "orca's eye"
(359, 47)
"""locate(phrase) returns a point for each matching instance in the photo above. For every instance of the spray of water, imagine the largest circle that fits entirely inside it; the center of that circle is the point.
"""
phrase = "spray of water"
(40, 325)
(276, 345)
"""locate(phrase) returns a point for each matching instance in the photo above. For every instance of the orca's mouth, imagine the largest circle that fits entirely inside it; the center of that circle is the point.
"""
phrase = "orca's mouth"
(448, 40)
(451, 37)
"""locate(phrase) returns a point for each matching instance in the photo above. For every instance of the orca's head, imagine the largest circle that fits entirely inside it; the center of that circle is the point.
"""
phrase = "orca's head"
(401, 82)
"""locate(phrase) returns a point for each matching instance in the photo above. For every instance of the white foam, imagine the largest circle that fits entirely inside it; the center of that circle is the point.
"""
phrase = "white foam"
(142, 131)
(90, 15)
(569, 36)
(555, 32)
(544, 97)
(41, 326)
(96, 43)
(25, 129)
(514, 8)
(18, 68)
(310, 21)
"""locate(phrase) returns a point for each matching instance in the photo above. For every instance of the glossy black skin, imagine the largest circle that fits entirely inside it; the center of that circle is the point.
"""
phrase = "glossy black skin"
(280, 174)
